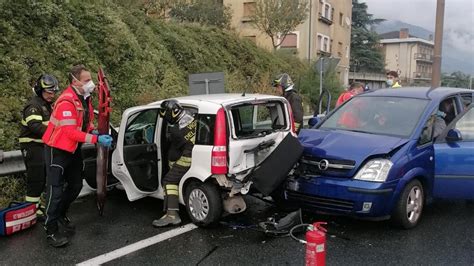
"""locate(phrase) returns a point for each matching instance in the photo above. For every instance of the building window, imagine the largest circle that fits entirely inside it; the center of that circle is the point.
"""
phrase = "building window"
(326, 13)
(341, 19)
(347, 51)
(249, 9)
(324, 43)
(290, 41)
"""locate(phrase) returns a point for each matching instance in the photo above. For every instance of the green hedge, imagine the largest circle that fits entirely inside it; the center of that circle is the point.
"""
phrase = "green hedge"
(146, 59)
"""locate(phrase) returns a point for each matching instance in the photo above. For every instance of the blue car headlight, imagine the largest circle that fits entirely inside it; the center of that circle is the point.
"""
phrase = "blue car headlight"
(375, 170)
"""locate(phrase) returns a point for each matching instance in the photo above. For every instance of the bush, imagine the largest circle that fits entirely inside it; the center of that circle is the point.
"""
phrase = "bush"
(145, 58)
(12, 188)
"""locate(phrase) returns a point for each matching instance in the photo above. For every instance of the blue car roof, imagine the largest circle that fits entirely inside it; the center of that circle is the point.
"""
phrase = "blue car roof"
(418, 92)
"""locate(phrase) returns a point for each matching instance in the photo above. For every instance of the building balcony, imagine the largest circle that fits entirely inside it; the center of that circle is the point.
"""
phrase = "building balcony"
(324, 53)
(421, 76)
(325, 19)
(424, 57)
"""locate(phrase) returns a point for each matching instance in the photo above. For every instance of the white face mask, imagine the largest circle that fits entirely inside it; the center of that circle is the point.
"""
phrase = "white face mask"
(88, 87)
(389, 82)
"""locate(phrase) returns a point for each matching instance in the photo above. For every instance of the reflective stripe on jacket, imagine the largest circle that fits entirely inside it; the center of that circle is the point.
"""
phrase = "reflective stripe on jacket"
(35, 116)
(64, 130)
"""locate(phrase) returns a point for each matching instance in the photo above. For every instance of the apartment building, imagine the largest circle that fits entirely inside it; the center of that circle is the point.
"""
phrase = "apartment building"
(411, 56)
(326, 32)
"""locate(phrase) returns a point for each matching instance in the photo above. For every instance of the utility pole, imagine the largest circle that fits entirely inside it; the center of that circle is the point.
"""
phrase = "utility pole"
(310, 34)
(436, 75)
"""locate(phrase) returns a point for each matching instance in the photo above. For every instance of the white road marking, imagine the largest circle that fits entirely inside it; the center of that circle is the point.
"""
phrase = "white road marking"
(138, 245)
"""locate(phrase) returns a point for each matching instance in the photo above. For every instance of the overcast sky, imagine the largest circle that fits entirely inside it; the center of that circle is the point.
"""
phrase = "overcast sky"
(458, 19)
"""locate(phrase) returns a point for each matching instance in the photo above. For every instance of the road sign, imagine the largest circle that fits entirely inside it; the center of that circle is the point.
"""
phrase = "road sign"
(206, 83)
(326, 64)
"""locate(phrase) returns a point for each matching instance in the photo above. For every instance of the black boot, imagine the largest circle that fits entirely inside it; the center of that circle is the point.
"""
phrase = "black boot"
(172, 207)
(66, 225)
(55, 237)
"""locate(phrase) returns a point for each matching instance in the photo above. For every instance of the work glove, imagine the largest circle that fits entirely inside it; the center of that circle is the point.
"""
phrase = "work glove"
(105, 141)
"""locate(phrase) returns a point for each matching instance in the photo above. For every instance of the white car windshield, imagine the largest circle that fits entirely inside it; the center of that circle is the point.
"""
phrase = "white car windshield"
(394, 116)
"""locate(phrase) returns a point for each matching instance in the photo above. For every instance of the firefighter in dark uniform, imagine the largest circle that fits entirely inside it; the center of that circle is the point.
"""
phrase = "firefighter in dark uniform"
(285, 87)
(35, 117)
(182, 135)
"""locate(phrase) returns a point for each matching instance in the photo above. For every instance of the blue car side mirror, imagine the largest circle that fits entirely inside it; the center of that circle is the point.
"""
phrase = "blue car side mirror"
(314, 121)
(453, 135)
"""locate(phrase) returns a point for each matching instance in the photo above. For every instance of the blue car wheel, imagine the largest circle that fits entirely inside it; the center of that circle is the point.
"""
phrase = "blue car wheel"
(409, 208)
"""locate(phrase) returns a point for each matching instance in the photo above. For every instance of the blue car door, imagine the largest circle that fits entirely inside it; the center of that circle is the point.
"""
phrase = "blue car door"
(454, 160)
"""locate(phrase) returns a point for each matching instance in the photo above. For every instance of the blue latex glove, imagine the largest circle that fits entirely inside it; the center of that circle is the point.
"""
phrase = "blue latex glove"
(105, 140)
(95, 132)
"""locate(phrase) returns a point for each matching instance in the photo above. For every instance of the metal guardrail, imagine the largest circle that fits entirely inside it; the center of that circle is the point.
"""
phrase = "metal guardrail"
(11, 162)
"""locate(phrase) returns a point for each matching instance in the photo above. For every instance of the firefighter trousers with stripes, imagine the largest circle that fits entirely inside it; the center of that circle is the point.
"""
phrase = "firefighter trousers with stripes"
(64, 183)
(170, 183)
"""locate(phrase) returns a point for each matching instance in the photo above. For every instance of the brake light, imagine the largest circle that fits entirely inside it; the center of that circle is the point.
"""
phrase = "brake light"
(292, 120)
(219, 151)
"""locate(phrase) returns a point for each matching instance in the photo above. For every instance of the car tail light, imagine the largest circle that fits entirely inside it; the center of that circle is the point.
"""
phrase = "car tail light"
(292, 120)
(219, 151)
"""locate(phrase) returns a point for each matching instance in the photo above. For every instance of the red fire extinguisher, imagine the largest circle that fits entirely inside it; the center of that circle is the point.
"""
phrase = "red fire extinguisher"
(316, 245)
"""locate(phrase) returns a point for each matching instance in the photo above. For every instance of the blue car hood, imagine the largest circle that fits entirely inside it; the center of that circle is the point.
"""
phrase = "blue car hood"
(346, 145)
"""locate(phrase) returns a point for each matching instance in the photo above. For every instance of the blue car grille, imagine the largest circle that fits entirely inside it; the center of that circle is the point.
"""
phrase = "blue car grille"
(310, 166)
(320, 203)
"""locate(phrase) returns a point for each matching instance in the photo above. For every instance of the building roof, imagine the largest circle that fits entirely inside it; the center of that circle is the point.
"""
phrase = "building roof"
(411, 39)
(393, 35)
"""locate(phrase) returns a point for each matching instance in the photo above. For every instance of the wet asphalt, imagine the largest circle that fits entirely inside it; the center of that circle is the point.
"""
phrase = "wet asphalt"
(445, 236)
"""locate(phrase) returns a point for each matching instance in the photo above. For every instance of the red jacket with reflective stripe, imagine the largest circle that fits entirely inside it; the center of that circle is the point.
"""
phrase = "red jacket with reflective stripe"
(65, 125)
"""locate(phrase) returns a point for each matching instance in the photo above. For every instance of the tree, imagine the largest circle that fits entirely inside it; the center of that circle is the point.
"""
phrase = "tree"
(456, 79)
(365, 52)
(277, 18)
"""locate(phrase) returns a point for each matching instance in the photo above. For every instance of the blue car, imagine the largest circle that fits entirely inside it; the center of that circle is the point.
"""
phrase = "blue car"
(384, 154)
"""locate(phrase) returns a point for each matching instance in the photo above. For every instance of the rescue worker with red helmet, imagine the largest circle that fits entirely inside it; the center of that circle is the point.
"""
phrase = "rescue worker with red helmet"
(70, 125)
(35, 117)
(285, 87)
(181, 138)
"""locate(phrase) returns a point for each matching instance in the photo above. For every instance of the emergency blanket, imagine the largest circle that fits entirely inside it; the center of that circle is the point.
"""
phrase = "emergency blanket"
(17, 217)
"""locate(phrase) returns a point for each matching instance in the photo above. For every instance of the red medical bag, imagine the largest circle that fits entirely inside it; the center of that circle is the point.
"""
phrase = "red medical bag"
(17, 217)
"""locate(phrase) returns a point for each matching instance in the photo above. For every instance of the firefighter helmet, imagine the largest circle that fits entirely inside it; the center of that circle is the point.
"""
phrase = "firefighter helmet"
(171, 111)
(46, 82)
(283, 80)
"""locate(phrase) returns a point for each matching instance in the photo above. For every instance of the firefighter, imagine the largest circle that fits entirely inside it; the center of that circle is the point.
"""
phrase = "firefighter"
(69, 126)
(181, 138)
(35, 117)
(285, 87)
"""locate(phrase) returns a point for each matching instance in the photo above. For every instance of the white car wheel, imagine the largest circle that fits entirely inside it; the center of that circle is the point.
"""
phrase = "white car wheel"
(203, 203)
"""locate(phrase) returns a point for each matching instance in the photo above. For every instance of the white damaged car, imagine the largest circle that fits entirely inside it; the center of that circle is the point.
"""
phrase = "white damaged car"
(243, 143)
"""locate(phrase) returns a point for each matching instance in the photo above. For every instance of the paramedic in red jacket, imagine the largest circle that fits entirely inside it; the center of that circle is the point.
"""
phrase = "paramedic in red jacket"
(70, 125)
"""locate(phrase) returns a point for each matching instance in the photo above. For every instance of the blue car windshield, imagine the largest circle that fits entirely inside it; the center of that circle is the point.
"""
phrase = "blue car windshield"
(394, 116)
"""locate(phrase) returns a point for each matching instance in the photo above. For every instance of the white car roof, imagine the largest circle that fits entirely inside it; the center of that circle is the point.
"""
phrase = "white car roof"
(216, 100)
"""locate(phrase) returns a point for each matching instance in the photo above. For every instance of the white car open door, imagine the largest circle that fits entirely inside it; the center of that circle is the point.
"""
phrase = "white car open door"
(136, 161)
